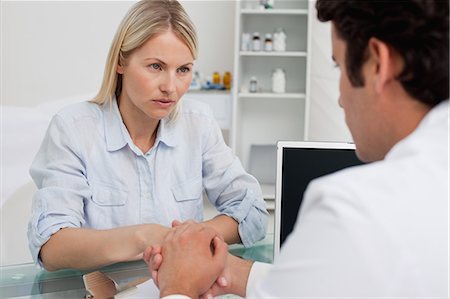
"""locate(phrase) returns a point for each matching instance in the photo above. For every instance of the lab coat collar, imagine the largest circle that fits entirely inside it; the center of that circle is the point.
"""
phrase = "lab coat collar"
(429, 129)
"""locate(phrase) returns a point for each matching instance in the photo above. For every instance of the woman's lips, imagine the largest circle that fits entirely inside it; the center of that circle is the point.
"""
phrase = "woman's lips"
(163, 102)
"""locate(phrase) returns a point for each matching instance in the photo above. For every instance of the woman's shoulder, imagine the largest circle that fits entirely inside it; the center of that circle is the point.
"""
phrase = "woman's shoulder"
(80, 110)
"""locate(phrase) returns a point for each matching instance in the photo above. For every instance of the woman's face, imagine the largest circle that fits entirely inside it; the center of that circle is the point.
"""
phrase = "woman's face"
(155, 76)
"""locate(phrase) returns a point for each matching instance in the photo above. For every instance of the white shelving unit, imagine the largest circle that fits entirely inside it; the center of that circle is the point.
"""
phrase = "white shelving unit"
(267, 95)
(263, 117)
(274, 54)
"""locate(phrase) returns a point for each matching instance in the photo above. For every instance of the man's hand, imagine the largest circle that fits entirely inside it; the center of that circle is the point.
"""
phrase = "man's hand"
(232, 280)
(152, 255)
(190, 260)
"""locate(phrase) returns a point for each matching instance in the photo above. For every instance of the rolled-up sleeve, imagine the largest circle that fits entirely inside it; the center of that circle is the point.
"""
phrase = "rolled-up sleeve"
(59, 174)
(231, 189)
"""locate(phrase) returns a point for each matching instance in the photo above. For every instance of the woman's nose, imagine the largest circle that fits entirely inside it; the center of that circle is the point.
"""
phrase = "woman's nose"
(167, 82)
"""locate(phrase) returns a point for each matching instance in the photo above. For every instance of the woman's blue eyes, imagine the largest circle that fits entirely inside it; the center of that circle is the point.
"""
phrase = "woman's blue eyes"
(184, 69)
(157, 66)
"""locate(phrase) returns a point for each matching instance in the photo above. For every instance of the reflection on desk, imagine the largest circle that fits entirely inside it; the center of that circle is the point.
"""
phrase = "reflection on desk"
(27, 281)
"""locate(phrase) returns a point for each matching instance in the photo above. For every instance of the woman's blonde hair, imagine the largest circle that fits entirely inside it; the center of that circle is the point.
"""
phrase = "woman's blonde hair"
(144, 20)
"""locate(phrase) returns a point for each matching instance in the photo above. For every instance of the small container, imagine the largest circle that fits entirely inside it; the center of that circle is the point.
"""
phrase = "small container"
(256, 42)
(262, 4)
(268, 43)
(227, 80)
(253, 87)
(266, 4)
(279, 40)
(216, 78)
(245, 41)
(279, 81)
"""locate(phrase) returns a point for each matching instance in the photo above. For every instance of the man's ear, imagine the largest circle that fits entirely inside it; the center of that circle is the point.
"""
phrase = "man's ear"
(386, 64)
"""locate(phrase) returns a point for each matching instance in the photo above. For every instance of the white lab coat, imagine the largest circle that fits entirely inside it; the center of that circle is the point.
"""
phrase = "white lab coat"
(378, 230)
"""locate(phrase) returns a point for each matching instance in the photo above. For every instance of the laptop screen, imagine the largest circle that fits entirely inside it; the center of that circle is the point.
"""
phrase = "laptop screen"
(297, 164)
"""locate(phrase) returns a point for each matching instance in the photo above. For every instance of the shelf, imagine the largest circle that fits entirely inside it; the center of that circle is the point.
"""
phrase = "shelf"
(264, 117)
(208, 91)
(272, 95)
(268, 192)
(274, 53)
(270, 205)
(274, 12)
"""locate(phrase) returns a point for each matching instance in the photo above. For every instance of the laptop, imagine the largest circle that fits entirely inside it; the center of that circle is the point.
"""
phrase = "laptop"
(298, 163)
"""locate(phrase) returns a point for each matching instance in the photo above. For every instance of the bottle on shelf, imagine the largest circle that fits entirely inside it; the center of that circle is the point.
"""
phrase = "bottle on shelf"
(253, 87)
(266, 4)
(268, 43)
(227, 80)
(216, 78)
(279, 40)
(279, 81)
(256, 42)
(245, 41)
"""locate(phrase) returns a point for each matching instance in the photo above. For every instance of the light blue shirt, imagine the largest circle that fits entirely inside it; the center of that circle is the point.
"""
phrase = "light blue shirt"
(90, 174)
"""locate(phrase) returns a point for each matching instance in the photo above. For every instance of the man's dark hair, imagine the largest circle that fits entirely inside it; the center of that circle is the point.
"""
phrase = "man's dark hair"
(417, 29)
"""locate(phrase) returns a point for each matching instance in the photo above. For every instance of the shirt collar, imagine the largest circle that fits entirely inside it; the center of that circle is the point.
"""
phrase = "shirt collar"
(168, 132)
(117, 135)
(114, 127)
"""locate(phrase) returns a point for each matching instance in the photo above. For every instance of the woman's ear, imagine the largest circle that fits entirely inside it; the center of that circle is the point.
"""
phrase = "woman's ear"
(386, 64)
(119, 69)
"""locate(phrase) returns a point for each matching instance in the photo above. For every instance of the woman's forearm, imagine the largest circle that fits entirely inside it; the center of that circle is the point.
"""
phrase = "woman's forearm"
(227, 227)
(82, 248)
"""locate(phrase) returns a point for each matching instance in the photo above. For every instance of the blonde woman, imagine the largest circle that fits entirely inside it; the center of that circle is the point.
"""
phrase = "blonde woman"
(113, 173)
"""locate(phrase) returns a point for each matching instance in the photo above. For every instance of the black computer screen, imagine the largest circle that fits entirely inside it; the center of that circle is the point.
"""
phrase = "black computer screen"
(300, 166)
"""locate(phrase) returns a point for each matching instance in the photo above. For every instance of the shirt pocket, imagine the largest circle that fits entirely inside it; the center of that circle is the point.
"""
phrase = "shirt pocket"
(188, 196)
(108, 196)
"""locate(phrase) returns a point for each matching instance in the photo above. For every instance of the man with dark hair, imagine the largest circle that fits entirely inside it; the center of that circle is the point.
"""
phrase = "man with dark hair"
(377, 230)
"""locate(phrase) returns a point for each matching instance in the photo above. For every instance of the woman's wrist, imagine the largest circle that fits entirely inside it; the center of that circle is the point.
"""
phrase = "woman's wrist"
(227, 227)
(150, 234)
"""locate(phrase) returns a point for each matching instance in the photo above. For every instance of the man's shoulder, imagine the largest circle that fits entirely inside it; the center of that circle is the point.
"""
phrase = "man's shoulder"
(354, 180)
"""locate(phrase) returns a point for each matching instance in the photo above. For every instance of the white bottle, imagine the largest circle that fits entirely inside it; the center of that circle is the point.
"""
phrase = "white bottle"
(279, 40)
(245, 41)
(278, 81)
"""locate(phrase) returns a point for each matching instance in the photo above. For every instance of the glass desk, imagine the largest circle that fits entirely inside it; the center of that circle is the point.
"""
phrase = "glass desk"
(26, 281)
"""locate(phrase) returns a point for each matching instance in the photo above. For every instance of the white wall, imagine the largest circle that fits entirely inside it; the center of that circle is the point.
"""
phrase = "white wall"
(326, 118)
(52, 50)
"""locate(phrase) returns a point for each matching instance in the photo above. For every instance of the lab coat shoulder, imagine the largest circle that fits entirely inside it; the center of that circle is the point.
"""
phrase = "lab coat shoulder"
(353, 239)
(346, 189)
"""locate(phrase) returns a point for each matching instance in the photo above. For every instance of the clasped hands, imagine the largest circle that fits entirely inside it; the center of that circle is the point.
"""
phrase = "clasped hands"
(191, 261)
